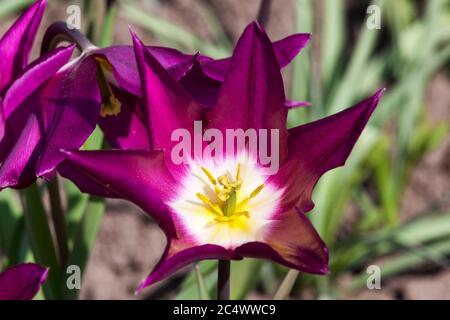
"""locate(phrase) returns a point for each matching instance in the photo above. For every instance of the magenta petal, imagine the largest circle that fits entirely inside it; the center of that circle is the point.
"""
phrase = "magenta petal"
(17, 169)
(15, 45)
(252, 95)
(125, 69)
(175, 259)
(288, 48)
(127, 130)
(285, 50)
(200, 86)
(84, 182)
(34, 77)
(22, 282)
(318, 147)
(292, 104)
(168, 105)
(22, 122)
(138, 176)
(291, 240)
(71, 107)
(2, 122)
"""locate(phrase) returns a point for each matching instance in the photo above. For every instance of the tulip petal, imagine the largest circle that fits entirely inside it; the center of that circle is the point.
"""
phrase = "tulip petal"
(126, 130)
(285, 50)
(292, 104)
(291, 240)
(180, 253)
(22, 123)
(201, 87)
(22, 282)
(15, 45)
(17, 169)
(2, 121)
(34, 77)
(168, 106)
(71, 107)
(138, 176)
(252, 95)
(125, 70)
(318, 147)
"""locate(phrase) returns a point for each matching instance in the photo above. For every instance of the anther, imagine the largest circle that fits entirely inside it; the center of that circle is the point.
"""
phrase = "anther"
(209, 175)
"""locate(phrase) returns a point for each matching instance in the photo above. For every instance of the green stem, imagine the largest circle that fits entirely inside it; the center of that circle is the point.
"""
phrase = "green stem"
(223, 280)
(286, 286)
(41, 239)
(59, 221)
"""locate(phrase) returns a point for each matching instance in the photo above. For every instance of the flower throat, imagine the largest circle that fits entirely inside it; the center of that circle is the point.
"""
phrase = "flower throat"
(225, 205)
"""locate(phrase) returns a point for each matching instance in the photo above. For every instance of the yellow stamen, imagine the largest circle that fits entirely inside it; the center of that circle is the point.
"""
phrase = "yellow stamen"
(210, 176)
(213, 206)
(238, 173)
(223, 195)
(256, 191)
(226, 191)
(234, 217)
(111, 106)
(223, 180)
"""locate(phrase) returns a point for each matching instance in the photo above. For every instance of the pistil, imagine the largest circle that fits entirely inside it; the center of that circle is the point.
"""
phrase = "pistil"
(225, 206)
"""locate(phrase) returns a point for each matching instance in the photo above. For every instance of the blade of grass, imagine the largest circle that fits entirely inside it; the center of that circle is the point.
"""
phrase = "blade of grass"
(333, 36)
(202, 291)
(343, 95)
(400, 264)
(244, 276)
(8, 7)
(41, 240)
(286, 286)
(167, 30)
(86, 236)
(301, 66)
(189, 290)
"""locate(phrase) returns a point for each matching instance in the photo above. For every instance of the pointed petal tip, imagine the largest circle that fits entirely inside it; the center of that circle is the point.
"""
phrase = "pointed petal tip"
(380, 92)
(137, 42)
(376, 97)
(40, 4)
(141, 287)
(134, 35)
(46, 271)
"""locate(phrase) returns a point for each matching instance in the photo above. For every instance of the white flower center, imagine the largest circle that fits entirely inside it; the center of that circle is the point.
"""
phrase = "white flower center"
(227, 204)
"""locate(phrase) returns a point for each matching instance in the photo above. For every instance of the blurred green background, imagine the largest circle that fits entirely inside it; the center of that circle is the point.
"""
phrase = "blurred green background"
(389, 206)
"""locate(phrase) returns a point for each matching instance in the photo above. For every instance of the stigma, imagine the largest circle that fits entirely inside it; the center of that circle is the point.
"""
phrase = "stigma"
(224, 204)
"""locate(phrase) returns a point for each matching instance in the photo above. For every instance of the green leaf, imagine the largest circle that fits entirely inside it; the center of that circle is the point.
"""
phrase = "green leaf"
(8, 7)
(332, 41)
(189, 289)
(404, 262)
(41, 240)
(86, 235)
(168, 31)
(244, 276)
(343, 95)
(107, 29)
(9, 217)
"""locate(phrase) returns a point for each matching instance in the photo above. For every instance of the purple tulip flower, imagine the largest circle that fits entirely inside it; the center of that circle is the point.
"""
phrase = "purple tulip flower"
(22, 282)
(200, 75)
(45, 106)
(227, 210)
